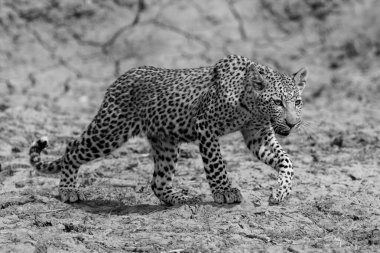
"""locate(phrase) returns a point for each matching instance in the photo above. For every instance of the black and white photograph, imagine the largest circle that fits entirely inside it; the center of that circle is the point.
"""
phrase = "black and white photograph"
(181, 126)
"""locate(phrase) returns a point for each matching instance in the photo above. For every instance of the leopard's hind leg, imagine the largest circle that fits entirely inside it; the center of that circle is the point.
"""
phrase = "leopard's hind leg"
(102, 136)
(165, 157)
(108, 131)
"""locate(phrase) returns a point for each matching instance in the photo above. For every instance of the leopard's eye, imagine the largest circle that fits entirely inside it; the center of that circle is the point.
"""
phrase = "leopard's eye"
(277, 102)
(298, 102)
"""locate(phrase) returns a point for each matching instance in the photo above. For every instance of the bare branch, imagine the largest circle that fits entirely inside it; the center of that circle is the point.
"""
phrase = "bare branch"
(53, 55)
(140, 7)
(183, 33)
(105, 46)
(280, 19)
(238, 18)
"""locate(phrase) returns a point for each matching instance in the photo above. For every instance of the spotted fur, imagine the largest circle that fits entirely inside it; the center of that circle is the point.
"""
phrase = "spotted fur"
(172, 106)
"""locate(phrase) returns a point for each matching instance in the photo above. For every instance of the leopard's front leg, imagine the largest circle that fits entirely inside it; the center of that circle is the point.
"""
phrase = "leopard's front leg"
(264, 145)
(215, 167)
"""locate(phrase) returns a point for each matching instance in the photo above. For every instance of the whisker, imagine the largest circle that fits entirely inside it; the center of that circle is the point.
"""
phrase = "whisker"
(306, 128)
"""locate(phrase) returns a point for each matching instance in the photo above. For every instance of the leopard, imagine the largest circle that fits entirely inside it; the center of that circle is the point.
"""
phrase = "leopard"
(169, 107)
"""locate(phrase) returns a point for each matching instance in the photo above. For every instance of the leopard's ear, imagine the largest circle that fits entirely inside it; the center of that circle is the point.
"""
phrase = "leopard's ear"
(255, 78)
(300, 78)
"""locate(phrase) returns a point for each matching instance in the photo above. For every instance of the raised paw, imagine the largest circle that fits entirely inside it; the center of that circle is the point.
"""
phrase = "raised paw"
(228, 196)
(71, 195)
(36, 148)
(278, 195)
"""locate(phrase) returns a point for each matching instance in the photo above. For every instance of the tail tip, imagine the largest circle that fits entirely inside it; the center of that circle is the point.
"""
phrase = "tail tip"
(44, 139)
(41, 143)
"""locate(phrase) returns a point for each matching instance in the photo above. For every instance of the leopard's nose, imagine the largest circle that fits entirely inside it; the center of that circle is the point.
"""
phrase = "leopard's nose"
(290, 124)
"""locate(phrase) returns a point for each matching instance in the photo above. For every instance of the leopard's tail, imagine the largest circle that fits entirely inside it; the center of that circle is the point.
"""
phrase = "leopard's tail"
(35, 158)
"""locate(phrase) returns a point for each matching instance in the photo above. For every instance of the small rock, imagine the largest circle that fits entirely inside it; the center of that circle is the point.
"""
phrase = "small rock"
(16, 150)
(337, 141)
(20, 184)
(256, 201)
(61, 227)
(354, 177)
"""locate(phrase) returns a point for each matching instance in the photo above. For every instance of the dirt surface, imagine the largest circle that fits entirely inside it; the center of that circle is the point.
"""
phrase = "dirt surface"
(57, 59)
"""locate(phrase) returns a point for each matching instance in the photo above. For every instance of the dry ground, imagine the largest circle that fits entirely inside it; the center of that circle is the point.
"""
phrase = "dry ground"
(58, 57)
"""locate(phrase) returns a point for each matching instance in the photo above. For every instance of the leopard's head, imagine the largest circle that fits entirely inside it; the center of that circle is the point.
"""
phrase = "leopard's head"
(276, 96)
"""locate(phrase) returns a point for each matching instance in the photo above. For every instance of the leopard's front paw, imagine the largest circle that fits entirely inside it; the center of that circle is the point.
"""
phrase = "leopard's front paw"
(71, 194)
(278, 195)
(229, 196)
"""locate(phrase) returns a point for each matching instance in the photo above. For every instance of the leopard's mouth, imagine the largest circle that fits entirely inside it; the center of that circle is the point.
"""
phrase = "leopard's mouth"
(280, 129)
(283, 133)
